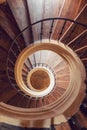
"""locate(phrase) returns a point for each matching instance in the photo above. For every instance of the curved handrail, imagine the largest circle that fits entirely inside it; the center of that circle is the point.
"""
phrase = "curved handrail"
(48, 19)
(50, 32)
(75, 64)
(72, 97)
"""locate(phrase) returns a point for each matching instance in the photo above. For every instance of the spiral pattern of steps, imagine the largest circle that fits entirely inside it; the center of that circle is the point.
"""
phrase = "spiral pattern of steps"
(44, 64)
(58, 92)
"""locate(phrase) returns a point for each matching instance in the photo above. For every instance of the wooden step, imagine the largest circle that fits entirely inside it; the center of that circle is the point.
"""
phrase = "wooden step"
(19, 10)
(12, 56)
(78, 41)
(60, 90)
(57, 63)
(53, 96)
(26, 67)
(4, 57)
(61, 25)
(6, 90)
(24, 74)
(3, 86)
(74, 30)
(2, 64)
(23, 102)
(45, 101)
(61, 64)
(10, 66)
(50, 98)
(63, 77)
(82, 49)
(39, 102)
(32, 59)
(28, 62)
(43, 12)
(56, 93)
(11, 75)
(5, 41)
(82, 52)
(63, 70)
(4, 78)
(9, 25)
(14, 100)
(42, 56)
(7, 93)
(38, 56)
(84, 60)
(17, 47)
(51, 58)
(62, 84)
(28, 101)
(33, 102)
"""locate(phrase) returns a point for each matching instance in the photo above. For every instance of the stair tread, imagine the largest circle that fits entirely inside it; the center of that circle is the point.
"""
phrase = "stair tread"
(77, 38)
(78, 29)
(79, 42)
(60, 90)
(82, 52)
(7, 25)
(15, 99)
(4, 57)
(39, 102)
(4, 85)
(40, 13)
(63, 70)
(23, 102)
(50, 98)
(61, 64)
(22, 21)
(7, 93)
(5, 41)
(63, 14)
(33, 102)
(65, 77)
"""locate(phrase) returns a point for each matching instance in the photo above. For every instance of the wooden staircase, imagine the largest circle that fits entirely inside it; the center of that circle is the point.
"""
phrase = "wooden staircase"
(18, 30)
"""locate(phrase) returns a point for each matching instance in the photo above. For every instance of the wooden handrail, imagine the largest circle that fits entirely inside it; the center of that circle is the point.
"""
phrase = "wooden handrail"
(69, 102)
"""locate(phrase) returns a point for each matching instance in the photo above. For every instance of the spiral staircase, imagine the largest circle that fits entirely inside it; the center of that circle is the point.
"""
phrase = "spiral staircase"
(43, 65)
